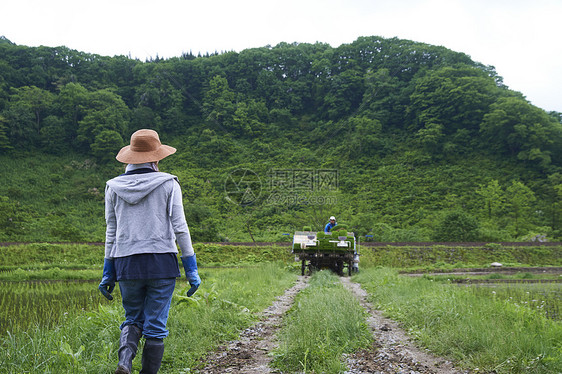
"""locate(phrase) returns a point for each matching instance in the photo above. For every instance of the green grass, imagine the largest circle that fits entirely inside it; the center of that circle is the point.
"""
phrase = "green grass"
(492, 334)
(545, 299)
(87, 342)
(325, 322)
(454, 257)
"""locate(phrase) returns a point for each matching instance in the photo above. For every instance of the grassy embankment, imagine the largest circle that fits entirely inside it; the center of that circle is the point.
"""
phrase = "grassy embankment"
(43, 261)
(432, 257)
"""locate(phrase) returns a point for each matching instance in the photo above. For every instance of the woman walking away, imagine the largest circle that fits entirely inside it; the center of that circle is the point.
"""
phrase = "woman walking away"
(145, 218)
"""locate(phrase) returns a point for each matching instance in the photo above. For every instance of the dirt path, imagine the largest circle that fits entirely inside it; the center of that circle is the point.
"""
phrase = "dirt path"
(249, 353)
(392, 351)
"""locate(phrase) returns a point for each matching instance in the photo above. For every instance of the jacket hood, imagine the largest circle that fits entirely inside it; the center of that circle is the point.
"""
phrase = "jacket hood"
(133, 188)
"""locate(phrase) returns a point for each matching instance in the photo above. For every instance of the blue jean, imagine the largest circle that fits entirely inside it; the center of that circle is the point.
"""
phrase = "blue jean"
(147, 303)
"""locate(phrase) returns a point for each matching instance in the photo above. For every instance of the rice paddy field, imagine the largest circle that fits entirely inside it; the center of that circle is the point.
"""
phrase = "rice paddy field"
(46, 304)
(54, 320)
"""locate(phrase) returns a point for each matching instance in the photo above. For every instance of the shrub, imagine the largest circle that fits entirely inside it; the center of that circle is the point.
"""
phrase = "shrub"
(457, 226)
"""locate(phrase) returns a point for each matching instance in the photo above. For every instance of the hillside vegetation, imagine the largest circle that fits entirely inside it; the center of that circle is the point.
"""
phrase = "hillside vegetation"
(401, 140)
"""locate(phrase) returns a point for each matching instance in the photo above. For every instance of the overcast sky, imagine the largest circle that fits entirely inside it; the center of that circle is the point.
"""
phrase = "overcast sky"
(521, 38)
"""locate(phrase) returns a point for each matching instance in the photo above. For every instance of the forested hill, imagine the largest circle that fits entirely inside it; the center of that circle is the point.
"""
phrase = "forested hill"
(401, 140)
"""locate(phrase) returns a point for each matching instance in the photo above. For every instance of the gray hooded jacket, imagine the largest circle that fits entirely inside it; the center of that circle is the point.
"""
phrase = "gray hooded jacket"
(144, 214)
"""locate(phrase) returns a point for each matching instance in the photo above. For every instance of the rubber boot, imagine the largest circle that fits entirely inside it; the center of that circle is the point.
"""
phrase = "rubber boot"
(152, 356)
(129, 342)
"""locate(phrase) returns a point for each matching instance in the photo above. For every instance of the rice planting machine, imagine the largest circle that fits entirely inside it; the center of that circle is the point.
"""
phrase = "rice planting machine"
(334, 250)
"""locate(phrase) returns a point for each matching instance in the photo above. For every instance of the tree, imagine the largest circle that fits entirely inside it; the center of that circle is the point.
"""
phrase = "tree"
(345, 94)
(431, 137)
(39, 101)
(552, 193)
(385, 97)
(366, 136)
(519, 199)
(143, 117)
(456, 226)
(492, 197)
(105, 111)
(4, 140)
(53, 135)
(219, 103)
(72, 102)
(455, 98)
(249, 118)
(515, 127)
(27, 108)
(203, 222)
(106, 145)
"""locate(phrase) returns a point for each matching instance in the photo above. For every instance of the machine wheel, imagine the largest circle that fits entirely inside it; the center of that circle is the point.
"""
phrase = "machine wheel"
(313, 265)
(349, 267)
(338, 267)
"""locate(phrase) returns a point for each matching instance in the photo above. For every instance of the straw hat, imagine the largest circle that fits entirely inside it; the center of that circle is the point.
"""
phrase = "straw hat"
(145, 147)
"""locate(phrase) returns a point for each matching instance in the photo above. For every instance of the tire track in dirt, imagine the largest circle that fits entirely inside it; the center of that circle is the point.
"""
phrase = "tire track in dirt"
(249, 353)
(392, 350)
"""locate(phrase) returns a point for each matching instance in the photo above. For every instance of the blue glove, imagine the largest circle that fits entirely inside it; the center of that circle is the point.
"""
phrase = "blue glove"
(190, 267)
(108, 280)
